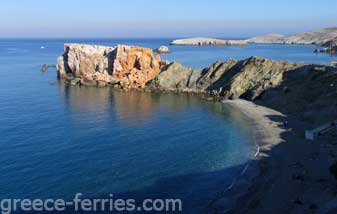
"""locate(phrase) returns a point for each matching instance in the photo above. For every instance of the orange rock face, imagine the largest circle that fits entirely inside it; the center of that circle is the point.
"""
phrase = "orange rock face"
(135, 66)
(129, 66)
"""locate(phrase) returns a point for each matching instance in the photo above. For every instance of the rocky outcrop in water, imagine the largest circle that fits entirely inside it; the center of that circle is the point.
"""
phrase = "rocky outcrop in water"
(199, 41)
(162, 49)
(311, 37)
(125, 66)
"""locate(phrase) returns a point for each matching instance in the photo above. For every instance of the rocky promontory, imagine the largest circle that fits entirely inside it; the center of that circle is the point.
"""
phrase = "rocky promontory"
(200, 41)
(318, 37)
(124, 66)
(292, 87)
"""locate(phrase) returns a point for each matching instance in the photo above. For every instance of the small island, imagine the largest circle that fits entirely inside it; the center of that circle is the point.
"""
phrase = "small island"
(200, 41)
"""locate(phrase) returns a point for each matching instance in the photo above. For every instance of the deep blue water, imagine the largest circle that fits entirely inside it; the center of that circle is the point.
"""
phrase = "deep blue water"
(58, 140)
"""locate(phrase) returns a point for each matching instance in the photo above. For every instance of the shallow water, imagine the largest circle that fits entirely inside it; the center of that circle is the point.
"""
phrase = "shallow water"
(58, 140)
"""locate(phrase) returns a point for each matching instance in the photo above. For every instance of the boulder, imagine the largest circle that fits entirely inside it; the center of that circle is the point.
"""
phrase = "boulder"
(162, 50)
(75, 81)
(131, 65)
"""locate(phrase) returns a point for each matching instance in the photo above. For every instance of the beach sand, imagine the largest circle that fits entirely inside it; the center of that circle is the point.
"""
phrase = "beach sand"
(294, 173)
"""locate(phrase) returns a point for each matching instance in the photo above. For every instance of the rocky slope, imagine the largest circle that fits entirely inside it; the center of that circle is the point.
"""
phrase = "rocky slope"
(126, 66)
(331, 46)
(307, 91)
(268, 39)
(231, 79)
(199, 41)
(311, 37)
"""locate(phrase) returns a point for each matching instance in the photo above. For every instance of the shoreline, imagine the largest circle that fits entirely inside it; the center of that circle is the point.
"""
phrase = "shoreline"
(293, 174)
(288, 175)
(265, 136)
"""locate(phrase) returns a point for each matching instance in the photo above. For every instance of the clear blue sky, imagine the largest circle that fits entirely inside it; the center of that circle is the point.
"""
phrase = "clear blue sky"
(162, 18)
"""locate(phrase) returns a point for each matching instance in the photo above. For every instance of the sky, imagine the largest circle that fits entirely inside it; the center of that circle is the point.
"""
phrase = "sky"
(162, 18)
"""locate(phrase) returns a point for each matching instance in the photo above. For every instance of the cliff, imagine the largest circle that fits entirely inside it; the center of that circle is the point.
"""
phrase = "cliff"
(319, 37)
(125, 66)
(199, 41)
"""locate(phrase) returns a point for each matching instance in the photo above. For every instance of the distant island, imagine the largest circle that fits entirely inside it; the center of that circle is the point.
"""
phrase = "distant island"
(326, 37)
(319, 37)
(201, 41)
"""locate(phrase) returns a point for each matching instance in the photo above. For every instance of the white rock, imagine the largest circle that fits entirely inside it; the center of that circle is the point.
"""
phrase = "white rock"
(163, 49)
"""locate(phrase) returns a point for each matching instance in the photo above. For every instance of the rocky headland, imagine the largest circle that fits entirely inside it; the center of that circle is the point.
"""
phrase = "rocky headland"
(295, 88)
(283, 99)
(123, 66)
(318, 37)
(200, 41)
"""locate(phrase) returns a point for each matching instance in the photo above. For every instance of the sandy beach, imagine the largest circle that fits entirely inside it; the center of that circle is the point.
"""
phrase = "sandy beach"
(294, 175)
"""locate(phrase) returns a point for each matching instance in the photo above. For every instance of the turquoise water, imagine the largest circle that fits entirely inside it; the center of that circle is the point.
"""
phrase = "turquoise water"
(58, 140)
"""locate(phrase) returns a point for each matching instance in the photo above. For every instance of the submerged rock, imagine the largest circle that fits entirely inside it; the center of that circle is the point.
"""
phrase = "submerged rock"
(75, 81)
(44, 68)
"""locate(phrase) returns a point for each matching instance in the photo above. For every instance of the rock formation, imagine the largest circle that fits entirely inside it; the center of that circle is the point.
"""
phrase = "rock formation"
(162, 50)
(127, 66)
(135, 66)
(231, 79)
(207, 41)
(311, 37)
(331, 46)
(176, 77)
(293, 88)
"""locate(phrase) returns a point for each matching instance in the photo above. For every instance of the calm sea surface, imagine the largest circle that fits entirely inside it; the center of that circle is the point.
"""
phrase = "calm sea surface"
(57, 140)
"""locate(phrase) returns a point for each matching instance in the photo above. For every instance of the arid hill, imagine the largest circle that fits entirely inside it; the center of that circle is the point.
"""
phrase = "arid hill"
(310, 37)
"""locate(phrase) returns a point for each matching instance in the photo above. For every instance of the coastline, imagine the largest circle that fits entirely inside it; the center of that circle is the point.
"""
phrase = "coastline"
(293, 175)
(283, 156)
(266, 134)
